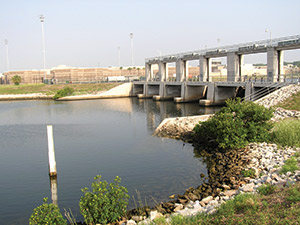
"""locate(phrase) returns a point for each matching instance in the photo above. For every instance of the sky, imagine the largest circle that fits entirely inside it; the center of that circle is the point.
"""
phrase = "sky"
(87, 33)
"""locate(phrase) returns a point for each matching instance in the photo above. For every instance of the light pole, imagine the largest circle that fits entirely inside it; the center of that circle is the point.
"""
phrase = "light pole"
(132, 59)
(159, 52)
(119, 56)
(267, 30)
(42, 19)
(6, 47)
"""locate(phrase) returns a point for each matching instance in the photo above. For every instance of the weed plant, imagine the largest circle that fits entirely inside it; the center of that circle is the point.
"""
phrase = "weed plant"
(139, 205)
(47, 214)
(248, 173)
(286, 133)
(266, 189)
(105, 203)
(294, 195)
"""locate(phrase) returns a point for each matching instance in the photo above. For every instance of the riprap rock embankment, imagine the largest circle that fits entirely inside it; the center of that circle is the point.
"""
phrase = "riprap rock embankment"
(181, 126)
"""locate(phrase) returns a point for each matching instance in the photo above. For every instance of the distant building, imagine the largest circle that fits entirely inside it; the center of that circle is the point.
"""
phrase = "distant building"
(64, 74)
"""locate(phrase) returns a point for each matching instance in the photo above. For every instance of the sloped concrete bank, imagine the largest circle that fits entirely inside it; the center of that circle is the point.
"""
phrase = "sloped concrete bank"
(121, 91)
(36, 96)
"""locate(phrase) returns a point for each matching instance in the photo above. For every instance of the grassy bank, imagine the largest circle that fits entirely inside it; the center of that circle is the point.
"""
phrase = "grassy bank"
(292, 103)
(79, 89)
(275, 205)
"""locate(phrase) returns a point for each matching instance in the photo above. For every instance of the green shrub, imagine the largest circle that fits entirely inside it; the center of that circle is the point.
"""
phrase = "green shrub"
(234, 126)
(47, 214)
(248, 173)
(16, 79)
(66, 91)
(266, 189)
(104, 204)
(290, 165)
(286, 133)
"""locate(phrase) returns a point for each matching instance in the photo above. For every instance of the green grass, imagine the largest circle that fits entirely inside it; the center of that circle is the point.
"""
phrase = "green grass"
(248, 173)
(282, 206)
(290, 165)
(293, 103)
(79, 89)
(286, 133)
(266, 189)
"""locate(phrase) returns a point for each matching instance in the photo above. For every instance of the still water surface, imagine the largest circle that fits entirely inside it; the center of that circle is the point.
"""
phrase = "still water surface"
(111, 137)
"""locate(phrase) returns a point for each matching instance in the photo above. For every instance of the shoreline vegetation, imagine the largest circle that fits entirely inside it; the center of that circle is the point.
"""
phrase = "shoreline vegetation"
(255, 184)
(44, 91)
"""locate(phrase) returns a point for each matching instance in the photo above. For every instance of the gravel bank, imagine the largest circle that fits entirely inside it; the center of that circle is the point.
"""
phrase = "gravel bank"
(280, 96)
(265, 159)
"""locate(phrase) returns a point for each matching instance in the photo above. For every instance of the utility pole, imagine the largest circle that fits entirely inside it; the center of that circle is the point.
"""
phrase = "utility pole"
(42, 19)
(132, 58)
(119, 56)
(7, 60)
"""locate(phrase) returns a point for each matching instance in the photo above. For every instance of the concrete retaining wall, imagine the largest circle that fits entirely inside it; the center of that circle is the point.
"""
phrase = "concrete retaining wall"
(123, 90)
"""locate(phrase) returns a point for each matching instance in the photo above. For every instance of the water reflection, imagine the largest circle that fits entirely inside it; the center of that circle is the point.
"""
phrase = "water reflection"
(108, 137)
(53, 189)
(157, 111)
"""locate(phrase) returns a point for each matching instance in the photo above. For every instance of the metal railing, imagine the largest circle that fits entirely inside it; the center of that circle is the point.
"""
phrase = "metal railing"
(229, 48)
(264, 91)
(262, 78)
(288, 79)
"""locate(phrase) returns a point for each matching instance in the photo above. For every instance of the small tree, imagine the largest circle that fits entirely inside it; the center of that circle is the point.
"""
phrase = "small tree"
(47, 214)
(104, 204)
(16, 79)
(66, 91)
(234, 126)
(138, 69)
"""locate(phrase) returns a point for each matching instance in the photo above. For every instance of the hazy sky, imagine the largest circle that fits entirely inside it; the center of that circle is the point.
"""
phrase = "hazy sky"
(87, 33)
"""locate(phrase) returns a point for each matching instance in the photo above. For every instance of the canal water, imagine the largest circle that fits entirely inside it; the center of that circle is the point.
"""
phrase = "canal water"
(109, 137)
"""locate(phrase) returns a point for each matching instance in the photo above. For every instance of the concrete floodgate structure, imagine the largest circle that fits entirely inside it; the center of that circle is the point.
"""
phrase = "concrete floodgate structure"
(215, 93)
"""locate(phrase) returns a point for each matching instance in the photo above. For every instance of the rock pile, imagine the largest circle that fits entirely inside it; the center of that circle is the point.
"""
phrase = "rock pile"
(278, 96)
(265, 159)
(176, 127)
(281, 113)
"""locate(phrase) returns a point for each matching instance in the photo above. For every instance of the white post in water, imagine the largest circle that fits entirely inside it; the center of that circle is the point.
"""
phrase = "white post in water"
(51, 154)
